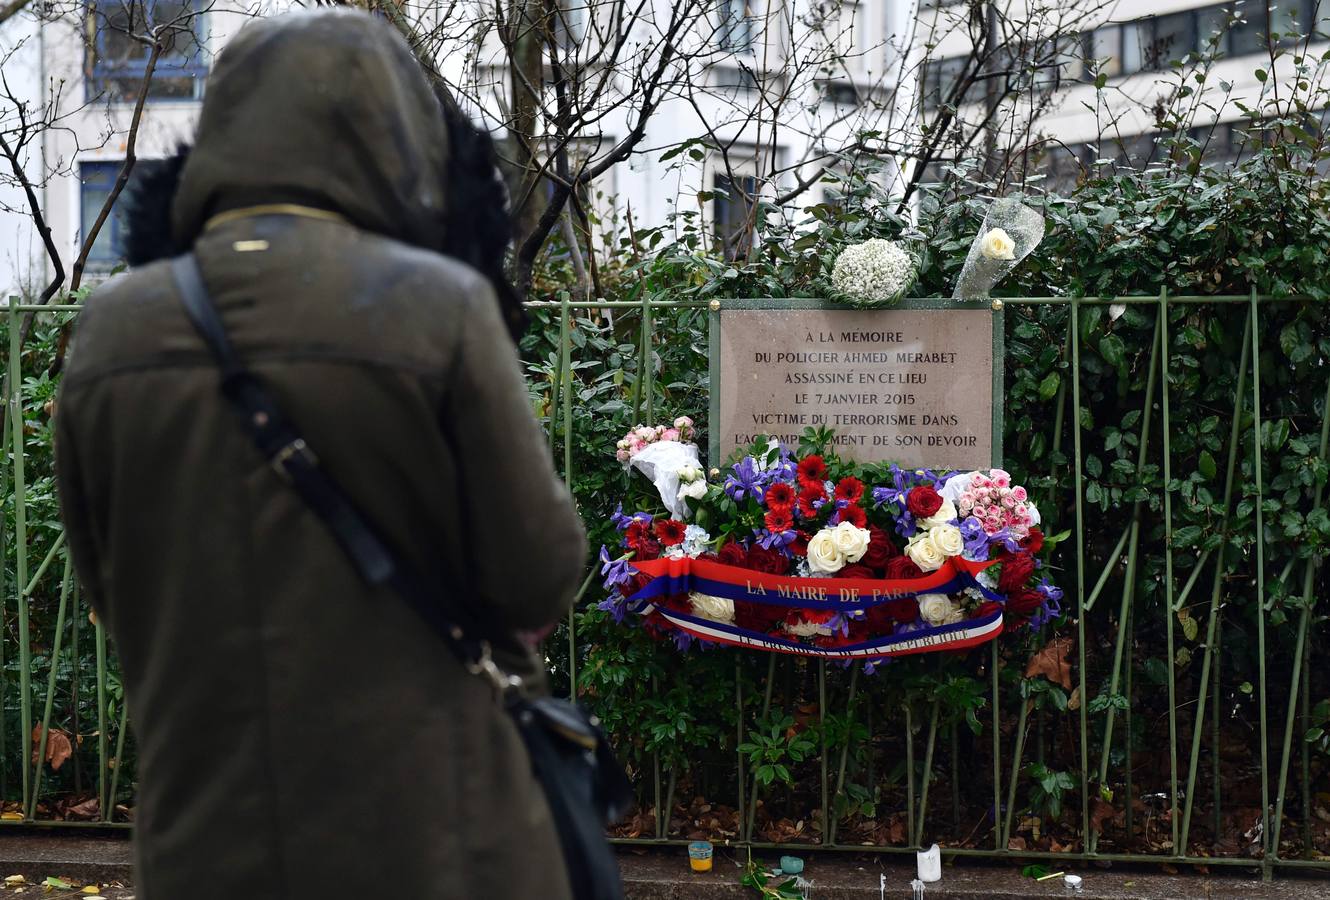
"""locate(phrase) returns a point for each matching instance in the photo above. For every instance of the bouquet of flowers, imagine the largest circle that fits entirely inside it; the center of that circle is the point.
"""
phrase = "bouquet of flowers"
(876, 272)
(808, 554)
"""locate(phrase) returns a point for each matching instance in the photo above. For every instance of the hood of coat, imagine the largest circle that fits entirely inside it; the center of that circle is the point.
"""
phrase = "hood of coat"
(328, 109)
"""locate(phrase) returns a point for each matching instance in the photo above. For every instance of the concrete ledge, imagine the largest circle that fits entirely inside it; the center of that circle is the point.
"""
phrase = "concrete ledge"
(664, 875)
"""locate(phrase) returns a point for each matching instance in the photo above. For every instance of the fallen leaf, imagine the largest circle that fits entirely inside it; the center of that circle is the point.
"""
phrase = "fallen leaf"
(1016, 843)
(15, 879)
(1101, 811)
(1051, 662)
(11, 817)
(58, 746)
(1074, 701)
(59, 883)
(88, 809)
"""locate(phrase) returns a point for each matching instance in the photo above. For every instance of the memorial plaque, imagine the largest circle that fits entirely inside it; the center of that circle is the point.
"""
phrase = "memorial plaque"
(915, 386)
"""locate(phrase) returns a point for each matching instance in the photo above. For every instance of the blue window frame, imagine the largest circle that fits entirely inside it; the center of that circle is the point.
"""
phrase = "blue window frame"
(96, 179)
(117, 62)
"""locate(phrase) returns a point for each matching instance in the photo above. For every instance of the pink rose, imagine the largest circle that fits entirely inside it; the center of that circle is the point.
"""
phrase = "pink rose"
(670, 434)
(683, 422)
(1019, 494)
(1008, 501)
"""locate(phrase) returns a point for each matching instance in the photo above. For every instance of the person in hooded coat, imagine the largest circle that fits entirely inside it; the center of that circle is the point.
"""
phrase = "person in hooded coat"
(299, 734)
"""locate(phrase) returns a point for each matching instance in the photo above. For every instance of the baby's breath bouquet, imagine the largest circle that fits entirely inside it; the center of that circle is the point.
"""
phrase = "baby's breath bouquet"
(875, 273)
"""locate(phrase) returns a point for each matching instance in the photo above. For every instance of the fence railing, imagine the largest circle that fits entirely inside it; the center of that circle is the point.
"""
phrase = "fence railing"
(1127, 592)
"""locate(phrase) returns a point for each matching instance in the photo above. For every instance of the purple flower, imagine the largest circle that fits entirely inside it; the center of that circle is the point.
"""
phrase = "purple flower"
(616, 606)
(622, 522)
(682, 639)
(778, 540)
(745, 482)
(1051, 609)
(976, 540)
(616, 572)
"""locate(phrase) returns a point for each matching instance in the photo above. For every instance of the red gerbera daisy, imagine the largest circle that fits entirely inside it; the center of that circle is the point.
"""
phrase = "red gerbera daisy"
(812, 468)
(855, 515)
(850, 488)
(780, 496)
(670, 531)
(637, 535)
(778, 520)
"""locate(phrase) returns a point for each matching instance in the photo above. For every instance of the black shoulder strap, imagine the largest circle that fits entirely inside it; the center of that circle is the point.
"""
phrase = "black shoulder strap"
(281, 444)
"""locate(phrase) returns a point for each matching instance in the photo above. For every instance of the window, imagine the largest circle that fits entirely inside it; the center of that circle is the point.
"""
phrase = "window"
(1248, 33)
(733, 79)
(735, 28)
(1103, 48)
(117, 61)
(96, 180)
(1231, 29)
(940, 78)
(1174, 37)
(840, 93)
(569, 23)
(731, 208)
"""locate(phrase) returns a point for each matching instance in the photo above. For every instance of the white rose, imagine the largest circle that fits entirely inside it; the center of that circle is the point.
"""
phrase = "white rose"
(717, 609)
(851, 541)
(806, 629)
(925, 553)
(947, 539)
(945, 513)
(694, 489)
(823, 554)
(997, 244)
(935, 609)
(690, 473)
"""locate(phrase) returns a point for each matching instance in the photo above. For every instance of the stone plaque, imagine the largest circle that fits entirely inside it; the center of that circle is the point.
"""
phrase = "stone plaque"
(913, 386)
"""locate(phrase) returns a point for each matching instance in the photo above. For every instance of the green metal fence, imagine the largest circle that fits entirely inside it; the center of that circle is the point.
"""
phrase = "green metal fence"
(56, 680)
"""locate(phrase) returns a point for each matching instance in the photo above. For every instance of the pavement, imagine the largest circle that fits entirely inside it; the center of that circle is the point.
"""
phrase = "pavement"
(105, 861)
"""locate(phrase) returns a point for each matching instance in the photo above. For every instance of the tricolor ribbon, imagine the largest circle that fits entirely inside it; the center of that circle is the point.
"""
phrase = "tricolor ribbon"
(681, 576)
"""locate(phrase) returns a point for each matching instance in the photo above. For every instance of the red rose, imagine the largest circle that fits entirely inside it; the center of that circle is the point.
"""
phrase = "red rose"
(670, 531)
(987, 608)
(759, 617)
(902, 567)
(855, 515)
(883, 617)
(923, 501)
(1034, 541)
(780, 496)
(1016, 572)
(1024, 602)
(778, 520)
(799, 546)
(880, 548)
(850, 488)
(733, 554)
(812, 468)
(772, 562)
(856, 571)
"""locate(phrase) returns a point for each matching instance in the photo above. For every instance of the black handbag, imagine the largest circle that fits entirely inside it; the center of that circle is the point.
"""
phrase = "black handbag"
(584, 784)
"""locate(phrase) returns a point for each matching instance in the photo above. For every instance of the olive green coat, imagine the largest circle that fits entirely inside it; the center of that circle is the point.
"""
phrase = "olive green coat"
(299, 735)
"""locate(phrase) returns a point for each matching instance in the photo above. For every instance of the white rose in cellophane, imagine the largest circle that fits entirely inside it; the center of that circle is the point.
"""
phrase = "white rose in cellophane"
(824, 555)
(851, 541)
(935, 609)
(998, 244)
